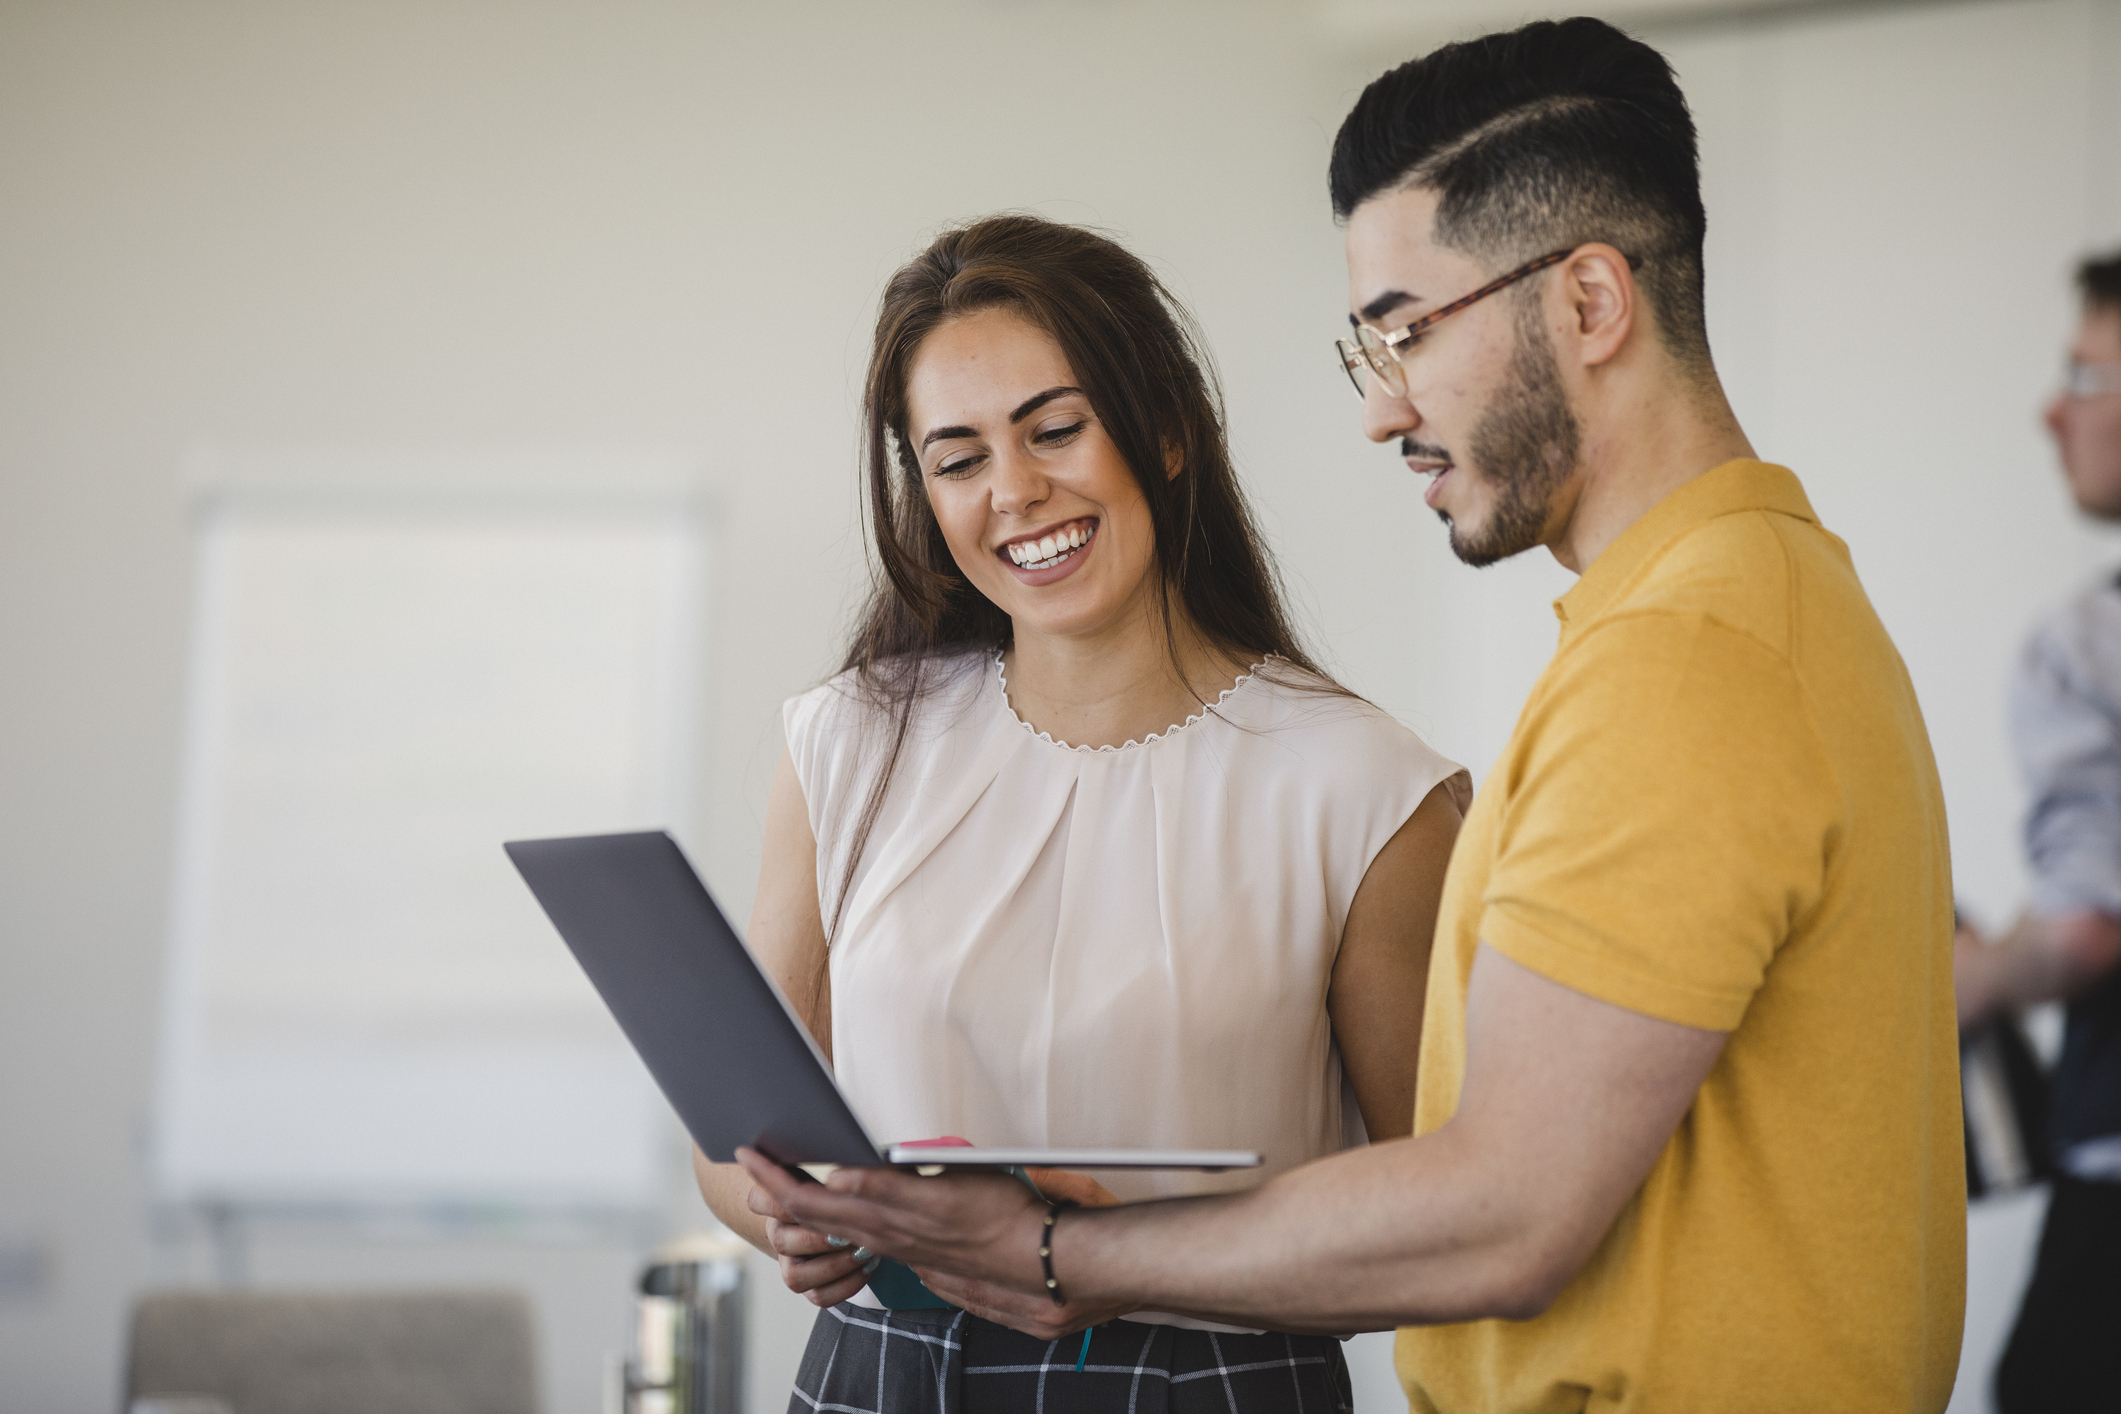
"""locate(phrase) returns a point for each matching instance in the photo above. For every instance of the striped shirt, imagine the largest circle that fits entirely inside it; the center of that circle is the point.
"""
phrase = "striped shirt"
(2066, 725)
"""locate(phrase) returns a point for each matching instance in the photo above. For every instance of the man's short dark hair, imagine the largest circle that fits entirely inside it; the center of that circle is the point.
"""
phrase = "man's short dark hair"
(1540, 139)
(2099, 277)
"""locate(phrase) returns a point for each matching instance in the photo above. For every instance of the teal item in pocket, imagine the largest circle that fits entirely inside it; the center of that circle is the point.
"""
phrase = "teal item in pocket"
(894, 1283)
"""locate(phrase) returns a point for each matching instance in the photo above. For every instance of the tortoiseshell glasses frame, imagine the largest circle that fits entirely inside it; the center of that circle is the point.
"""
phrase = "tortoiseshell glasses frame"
(1379, 353)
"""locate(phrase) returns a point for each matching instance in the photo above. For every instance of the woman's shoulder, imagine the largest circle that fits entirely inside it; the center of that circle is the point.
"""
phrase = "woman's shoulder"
(1333, 731)
(1279, 696)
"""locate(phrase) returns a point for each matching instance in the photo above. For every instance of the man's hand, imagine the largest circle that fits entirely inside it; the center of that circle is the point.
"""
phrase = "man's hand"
(983, 1230)
(979, 1225)
(2043, 958)
(1975, 976)
(1034, 1315)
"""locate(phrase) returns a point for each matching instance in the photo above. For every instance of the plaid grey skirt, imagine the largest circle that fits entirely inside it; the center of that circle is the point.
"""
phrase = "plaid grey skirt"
(861, 1361)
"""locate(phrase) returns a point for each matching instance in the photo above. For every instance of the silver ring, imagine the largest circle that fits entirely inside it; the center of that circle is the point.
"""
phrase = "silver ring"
(862, 1254)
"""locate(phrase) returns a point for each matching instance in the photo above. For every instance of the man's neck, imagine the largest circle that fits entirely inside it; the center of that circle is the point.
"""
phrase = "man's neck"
(1636, 451)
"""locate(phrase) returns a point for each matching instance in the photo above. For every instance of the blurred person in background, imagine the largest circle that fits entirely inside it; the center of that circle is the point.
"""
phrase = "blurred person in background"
(2065, 1352)
(1687, 1134)
(1081, 848)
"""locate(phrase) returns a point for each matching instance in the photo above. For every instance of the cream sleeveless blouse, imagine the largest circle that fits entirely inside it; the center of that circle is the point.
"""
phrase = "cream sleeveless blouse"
(1122, 947)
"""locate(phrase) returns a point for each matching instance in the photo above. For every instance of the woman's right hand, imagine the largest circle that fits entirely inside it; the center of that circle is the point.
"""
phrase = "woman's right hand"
(811, 1266)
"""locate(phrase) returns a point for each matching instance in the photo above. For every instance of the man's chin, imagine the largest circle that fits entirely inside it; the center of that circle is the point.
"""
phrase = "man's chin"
(1471, 547)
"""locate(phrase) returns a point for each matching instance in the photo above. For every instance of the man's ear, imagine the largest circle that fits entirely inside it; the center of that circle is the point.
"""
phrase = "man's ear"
(1598, 287)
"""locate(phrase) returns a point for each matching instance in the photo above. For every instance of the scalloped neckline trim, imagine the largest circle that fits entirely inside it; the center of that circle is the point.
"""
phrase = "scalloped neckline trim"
(1001, 680)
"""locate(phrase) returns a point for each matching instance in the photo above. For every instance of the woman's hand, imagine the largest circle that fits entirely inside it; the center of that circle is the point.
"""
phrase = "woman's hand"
(812, 1266)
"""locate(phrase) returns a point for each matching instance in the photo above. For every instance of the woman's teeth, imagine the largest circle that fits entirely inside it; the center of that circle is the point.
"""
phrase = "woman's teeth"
(1048, 551)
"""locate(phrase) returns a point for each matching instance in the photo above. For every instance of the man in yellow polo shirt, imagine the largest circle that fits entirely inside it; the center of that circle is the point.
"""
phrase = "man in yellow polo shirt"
(1687, 1129)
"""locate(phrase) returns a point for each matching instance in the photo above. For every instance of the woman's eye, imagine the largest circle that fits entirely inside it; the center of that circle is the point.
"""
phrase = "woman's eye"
(1054, 436)
(957, 467)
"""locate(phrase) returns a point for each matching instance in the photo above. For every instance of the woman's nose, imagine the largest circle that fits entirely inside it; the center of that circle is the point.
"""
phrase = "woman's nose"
(1018, 485)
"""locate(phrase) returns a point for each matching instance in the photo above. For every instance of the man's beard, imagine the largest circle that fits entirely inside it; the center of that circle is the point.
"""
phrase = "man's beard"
(1524, 446)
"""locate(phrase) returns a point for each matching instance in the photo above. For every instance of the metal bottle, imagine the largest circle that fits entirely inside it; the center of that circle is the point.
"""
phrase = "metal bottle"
(689, 1343)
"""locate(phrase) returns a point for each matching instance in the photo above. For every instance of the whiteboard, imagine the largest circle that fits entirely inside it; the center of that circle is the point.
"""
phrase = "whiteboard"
(364, 1003)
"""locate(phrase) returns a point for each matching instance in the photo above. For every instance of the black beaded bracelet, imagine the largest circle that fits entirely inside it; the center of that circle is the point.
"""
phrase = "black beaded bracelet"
(1045, 1249)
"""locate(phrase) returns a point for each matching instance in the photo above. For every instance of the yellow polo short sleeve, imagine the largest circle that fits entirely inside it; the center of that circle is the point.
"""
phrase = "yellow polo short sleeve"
(1669, 815)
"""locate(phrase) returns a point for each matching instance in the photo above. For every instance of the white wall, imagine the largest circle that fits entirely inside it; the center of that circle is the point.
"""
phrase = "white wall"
(404, 225)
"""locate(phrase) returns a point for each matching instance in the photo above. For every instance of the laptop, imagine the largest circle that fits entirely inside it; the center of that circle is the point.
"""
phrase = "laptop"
(727, 1050)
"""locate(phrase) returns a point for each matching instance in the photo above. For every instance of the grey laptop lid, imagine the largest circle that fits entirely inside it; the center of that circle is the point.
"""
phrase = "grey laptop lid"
(719, 1038)
(730, 1054)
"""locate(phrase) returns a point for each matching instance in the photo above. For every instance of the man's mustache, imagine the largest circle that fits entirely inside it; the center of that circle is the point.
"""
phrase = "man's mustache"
(1427, 451)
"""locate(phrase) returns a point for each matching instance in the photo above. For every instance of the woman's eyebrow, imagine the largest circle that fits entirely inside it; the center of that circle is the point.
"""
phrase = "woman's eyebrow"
(937, 434)
(1036, 401)
(1023, 410)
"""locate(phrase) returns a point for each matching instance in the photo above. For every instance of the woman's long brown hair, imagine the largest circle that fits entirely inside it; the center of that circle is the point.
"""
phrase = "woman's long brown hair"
(1139, 359)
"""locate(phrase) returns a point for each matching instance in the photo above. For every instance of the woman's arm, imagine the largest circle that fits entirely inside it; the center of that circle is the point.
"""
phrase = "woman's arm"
(787, 936)
(1381, 977)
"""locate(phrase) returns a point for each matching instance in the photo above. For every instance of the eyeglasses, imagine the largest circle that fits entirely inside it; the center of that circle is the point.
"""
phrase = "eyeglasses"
(1378, 354)
(2091, 380)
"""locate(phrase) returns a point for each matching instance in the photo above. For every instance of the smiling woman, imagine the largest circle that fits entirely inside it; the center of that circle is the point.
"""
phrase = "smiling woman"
(1040, 512)
(1020, 333)
(1080, 848)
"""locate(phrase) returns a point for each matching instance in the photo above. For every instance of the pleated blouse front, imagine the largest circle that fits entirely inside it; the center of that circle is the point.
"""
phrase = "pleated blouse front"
(1121, 947)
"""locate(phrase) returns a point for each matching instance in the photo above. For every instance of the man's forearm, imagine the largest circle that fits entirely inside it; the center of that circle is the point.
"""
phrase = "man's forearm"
(1337, 1246)
(1566, 1104)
